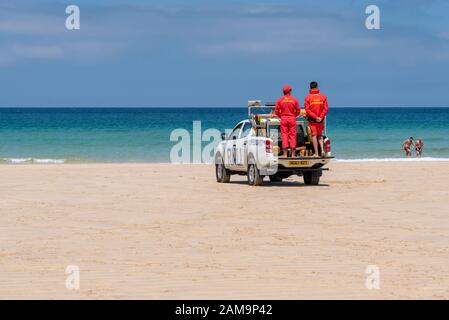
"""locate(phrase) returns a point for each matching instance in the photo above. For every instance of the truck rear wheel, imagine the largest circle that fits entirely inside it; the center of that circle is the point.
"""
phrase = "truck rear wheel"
(254, 177)
(221, 173)
(312, 178)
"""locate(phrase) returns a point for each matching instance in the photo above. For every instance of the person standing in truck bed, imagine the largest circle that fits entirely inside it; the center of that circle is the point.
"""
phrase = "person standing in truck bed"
(316, 108)
(287, 109)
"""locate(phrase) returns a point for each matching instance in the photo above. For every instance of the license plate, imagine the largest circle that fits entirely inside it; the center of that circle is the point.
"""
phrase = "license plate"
(298, 163)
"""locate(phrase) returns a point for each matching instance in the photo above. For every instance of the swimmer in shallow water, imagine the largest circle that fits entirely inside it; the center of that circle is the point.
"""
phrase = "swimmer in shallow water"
(419, 144)
(407, 145)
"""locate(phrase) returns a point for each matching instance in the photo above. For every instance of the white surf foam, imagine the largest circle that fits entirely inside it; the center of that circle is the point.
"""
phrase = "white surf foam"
(48, 160)
(32, 160)
(393, 159)
(17, 160)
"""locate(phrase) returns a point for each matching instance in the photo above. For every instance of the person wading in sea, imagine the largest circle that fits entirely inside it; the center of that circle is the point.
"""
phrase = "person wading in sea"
(407, 145)
(419, 144)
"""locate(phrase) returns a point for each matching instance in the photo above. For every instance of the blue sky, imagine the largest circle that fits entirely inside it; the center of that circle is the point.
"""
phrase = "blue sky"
(222, 53)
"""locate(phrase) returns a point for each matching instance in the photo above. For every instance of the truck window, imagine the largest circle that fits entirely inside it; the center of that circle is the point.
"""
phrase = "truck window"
(246, 129)
(235, 132)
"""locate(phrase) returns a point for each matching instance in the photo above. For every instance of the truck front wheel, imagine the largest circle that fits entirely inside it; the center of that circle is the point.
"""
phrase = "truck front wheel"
(254, 177)
(312, 178)
(221, 173)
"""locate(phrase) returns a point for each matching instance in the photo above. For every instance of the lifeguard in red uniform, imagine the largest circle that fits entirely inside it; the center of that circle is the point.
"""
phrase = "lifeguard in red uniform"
(287, 109)
(316, 107)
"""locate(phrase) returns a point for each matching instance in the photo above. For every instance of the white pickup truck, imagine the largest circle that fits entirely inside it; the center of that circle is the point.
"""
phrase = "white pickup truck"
(252, 149)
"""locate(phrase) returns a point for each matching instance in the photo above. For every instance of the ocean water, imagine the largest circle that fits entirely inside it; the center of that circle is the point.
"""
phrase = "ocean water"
(59, 135)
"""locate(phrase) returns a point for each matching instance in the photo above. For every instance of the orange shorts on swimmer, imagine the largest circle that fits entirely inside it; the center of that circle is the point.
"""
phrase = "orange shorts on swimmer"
(316, 128)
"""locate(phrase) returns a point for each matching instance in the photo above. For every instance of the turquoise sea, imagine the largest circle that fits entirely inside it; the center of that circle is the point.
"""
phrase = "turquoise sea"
(58, 135)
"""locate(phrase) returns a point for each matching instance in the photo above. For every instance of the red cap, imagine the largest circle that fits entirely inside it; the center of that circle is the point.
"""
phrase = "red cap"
(287, 89)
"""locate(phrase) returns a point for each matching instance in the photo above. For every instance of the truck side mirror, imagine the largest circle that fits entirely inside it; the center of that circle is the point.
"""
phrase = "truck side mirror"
(223, 136)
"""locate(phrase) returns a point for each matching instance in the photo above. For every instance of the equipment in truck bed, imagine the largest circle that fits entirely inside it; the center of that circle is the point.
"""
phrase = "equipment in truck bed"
(261, 120)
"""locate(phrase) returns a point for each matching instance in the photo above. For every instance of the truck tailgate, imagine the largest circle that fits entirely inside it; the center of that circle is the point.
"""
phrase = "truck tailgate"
(303, 162)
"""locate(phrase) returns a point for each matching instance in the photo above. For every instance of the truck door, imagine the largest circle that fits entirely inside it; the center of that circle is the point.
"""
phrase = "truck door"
(231, 148)
(242, 146)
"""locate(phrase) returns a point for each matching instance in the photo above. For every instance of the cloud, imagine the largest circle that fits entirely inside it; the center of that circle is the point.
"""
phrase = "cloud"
(79, 51)
(111, 31)
(31, 33)
(268, 35)
(19, 51)
(18, 23)
(443, 35)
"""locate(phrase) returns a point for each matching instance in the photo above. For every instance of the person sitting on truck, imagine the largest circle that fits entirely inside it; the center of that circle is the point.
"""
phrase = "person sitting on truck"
(287, 109)
(316, 108)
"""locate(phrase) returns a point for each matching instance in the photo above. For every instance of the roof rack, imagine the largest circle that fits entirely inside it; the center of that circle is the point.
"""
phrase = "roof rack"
(260, 120)
(257, 104)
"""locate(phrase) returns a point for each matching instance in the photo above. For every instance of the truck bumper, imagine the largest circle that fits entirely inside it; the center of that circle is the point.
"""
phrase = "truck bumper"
(268, 171)
(290, 165)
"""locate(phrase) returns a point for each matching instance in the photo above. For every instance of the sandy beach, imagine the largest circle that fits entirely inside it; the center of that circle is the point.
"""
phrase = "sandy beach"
(160, 231)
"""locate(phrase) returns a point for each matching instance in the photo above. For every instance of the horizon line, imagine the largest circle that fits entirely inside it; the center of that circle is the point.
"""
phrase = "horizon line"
(204, 107)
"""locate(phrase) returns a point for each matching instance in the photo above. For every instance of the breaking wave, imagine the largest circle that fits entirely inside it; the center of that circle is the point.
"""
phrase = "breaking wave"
(392, 159)
(32, 160)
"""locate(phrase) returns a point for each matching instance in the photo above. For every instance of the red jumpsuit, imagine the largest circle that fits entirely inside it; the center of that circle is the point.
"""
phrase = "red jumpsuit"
(288, 108)
(316, 107)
